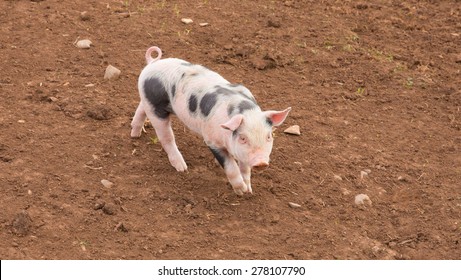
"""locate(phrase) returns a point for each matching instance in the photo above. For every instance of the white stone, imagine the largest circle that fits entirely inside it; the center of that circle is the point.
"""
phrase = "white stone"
(107, 183)
(111, 72)
(84, 44)
(364, 173)
(187, 20)
(294, 130)
(337, 177)
(362, 200)
(345, 191)
(294, 205)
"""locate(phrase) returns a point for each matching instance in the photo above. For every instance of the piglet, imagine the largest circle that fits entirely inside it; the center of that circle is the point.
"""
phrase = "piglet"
(237, 131)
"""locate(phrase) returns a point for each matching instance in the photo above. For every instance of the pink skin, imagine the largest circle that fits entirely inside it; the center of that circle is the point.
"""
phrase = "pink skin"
(149, 51)
(246, 148)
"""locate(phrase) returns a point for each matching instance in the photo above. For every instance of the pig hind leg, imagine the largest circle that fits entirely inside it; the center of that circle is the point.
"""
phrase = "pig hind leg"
(138, 121)
(157, 107)
(165, 135)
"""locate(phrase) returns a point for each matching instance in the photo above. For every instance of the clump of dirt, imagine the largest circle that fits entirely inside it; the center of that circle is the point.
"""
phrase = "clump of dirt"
(21, 224)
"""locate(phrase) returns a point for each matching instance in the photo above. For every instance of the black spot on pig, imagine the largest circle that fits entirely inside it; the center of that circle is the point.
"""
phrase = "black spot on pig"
(207, 103)
(158, 97)
(230, 109)
(224, 91)
(235, 133)
(249, 97)
(269, 122)
(193, 103)
(173, 90)
(220, 155)
(239, 92)
(245, 105)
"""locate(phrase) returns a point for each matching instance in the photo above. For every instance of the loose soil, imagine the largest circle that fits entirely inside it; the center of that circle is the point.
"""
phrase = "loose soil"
(374, 85)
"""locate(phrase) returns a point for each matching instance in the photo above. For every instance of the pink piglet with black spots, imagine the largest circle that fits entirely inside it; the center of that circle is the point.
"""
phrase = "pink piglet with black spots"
(226, 115)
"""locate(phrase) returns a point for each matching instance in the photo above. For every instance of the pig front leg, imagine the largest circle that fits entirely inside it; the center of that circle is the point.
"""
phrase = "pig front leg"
(235, 178)
(245, 170)
(232, 171)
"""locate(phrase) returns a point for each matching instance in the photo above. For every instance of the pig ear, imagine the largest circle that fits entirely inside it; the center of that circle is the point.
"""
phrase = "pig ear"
(233, 123)
(277, 117)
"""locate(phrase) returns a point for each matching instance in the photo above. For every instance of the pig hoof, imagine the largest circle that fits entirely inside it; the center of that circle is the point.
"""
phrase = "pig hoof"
(135, 133)
(180, 167)
(179, 164)
(238, 192)
(248, 189)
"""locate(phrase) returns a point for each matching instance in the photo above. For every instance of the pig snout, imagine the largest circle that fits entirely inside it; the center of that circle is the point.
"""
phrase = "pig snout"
(259, 163)
(260, 166)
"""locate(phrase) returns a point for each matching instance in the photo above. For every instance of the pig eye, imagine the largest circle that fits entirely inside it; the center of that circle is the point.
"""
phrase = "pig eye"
(269, 137)
(242, 139)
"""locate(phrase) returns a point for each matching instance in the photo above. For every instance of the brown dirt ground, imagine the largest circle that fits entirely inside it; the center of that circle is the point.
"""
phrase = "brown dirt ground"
(375, 87)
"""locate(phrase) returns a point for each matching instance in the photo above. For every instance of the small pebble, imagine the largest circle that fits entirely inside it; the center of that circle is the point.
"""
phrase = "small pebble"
(337, 177)
(364, 173)
(109, 209)
(294, 130)
(228, 47)
(84, 16)
(403, 179)
(203, 24)
(275, 218)
(188, 209)
(186, 20)
(345, 191)
(107, 183)
(84, 44)
(274, 23)
(21, 121)
(99, 205)
(111, 73)
(362, 200)
(294, 205)
(121, 227)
